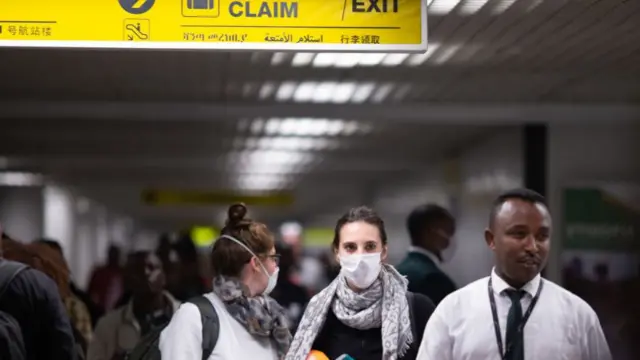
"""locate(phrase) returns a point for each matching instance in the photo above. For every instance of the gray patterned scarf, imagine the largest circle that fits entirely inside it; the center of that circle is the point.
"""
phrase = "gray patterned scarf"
(262, 316)
(383, 304)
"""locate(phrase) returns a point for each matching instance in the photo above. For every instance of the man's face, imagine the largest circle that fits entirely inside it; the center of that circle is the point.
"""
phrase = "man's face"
(520, 239)
(440, 234)
(146, 274)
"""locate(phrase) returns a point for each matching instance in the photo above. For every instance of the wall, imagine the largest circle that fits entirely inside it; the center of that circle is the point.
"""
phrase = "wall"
(604, 152)
(21, 213)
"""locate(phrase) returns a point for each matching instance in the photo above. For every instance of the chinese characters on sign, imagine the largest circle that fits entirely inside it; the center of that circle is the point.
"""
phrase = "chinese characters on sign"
(29, 30)
(355, 39)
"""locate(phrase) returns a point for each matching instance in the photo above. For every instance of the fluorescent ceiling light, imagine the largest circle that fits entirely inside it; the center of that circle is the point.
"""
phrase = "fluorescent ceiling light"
(293, 143)
(257, 125)
(447, 54)
(324, 92)
(350, 128)
(362, 93)
(285, 91)
(248, 88)
(382, 92)
(371, 59)
(347, 60)
(442, 7)
(261, 182)
(325, 59)
(502, 6)
(302, 59)
(470, 7)
(273, 157)
(272, 126)
(267, 90)
(343, 92)
(278, 58)
(12, 178)
(402, 92)
(394, 59)
(304, 92)
(303, 127)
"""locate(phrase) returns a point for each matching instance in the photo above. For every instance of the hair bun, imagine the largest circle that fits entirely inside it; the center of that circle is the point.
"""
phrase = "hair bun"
(236, 213)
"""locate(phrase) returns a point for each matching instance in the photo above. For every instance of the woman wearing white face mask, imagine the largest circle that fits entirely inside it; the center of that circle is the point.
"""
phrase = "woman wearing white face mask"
(366, 312)
(251, 324)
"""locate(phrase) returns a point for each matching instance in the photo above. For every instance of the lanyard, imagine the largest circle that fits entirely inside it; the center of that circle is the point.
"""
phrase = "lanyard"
(496, 323)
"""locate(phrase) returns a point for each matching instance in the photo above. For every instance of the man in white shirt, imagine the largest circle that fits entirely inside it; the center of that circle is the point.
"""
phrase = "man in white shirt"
(514, 314)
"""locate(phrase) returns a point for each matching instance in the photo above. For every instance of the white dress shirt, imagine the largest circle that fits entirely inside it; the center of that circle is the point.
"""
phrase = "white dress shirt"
(561, 326)
(182, 338)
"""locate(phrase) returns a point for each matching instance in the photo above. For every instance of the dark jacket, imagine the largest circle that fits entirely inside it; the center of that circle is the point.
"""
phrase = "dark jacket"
(32, 298)
(336, 338)
(425, 277)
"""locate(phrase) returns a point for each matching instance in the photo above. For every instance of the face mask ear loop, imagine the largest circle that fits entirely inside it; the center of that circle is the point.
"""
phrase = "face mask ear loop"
(249, 250)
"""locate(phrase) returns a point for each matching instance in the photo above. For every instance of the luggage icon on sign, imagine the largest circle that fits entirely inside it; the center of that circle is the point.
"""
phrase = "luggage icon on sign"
(200, 4)
(200, 8)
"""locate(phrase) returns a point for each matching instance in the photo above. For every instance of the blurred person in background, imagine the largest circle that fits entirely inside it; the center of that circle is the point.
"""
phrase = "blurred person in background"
(187, 280)
(431, 228)
(171, 263)
(366, 312)
(252, 325)
(77, 312)
(331, 267)
(106, 284)
(307, 271)
(33, 300)
(292, 297)
(120, 330)
(539, 319)
(52, 263)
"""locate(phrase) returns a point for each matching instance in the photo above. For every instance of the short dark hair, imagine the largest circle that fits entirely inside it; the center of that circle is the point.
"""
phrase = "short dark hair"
(527, 195)
(360, 213)
(424, 216)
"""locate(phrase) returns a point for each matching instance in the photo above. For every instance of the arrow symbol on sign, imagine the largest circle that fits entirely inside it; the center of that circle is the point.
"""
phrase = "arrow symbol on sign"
(138, 4)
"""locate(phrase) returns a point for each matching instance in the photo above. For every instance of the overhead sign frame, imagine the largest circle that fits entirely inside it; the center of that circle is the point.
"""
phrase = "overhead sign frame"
(156, 24)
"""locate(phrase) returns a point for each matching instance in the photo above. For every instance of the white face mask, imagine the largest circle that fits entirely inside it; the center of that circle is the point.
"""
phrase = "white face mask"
(361, 269)
(272, 279)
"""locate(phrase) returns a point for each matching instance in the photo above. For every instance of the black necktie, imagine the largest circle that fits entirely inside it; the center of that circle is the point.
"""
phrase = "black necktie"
(514, 338)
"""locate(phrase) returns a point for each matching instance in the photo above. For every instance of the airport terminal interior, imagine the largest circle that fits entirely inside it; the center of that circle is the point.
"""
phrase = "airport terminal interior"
(133, 148)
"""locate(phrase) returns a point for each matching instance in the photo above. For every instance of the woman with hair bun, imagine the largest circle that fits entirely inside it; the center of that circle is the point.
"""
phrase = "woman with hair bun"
(252, 324)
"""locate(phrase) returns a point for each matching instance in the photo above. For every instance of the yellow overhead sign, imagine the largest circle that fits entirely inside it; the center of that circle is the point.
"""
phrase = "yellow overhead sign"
(296, 25)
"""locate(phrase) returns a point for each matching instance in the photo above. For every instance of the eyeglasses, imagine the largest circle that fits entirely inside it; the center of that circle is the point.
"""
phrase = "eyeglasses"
(275, 258)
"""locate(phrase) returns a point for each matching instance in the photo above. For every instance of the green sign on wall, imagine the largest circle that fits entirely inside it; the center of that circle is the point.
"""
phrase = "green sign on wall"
(597, 220)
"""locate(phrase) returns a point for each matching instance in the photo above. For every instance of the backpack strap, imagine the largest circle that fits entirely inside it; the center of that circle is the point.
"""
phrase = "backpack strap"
(410, 301)
(8, 271)
(210, 325)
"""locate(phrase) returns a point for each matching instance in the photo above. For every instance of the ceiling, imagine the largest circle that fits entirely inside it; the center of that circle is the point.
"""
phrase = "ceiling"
(331, 127)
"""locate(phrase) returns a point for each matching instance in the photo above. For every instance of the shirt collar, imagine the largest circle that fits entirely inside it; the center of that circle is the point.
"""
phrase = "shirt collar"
(427, 253)
(500, 285)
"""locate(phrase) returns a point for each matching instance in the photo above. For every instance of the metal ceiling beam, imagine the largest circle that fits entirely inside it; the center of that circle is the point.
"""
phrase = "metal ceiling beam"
(421, 112)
